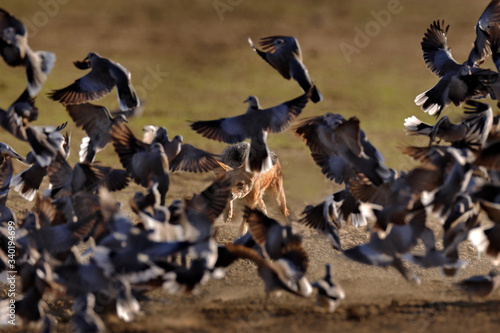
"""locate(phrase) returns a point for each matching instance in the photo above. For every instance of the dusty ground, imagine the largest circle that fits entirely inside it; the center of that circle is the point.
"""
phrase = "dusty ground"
(207, 69)
(377, 299)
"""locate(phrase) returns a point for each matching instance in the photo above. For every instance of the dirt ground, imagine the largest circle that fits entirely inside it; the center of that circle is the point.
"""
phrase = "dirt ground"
(377, 299)
(191, 63)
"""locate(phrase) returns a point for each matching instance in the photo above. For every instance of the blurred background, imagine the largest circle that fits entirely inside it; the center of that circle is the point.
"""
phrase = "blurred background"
(190, 60)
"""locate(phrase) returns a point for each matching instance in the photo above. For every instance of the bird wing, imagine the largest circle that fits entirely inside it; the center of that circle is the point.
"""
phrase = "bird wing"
(334, 167)
(278, 118)
(437, 54)
(494, 39)
(315, 133)
(228, 130)
(258, 224)
(212, 201)
(92, 86)
(94, 119)
(193, 159)
(126, 145)
(278, 59)
(6, 171)
(484, 27)
(127, 97)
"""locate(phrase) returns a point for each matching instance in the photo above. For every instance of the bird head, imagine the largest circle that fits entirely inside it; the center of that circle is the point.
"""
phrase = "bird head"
(87, 62)
(252, 101)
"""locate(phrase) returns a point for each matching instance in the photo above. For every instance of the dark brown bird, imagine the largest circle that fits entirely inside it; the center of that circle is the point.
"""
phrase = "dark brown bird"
(146, 164)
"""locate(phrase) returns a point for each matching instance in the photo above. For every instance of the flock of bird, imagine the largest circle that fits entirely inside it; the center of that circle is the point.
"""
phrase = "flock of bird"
(173, 247)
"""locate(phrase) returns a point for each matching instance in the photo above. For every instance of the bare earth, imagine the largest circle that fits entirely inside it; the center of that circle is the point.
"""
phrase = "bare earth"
(377, 299)
(190, 63)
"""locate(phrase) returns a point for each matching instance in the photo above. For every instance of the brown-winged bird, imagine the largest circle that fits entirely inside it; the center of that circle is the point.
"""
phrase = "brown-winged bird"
(146, 164)
(105, 74)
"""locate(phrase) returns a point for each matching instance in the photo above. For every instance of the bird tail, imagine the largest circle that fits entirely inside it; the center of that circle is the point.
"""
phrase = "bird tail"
(429, 102)
(28, 182)
(258, 161)
(415, 126)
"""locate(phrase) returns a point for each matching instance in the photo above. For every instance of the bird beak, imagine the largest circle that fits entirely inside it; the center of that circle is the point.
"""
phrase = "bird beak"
(246, 100)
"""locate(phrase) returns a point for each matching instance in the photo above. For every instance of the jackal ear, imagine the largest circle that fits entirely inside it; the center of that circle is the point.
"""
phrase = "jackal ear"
(224, 167)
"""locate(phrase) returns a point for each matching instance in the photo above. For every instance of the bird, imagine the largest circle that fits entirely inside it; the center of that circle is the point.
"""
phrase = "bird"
(444, 129)
(323, 218)
(484, 27)
(341, 148)
(181, 156)
(28, 181)
(15, 51)
(395, 199)
(400, 240)
(255, 124)
(486, 241)
(23, 107)
(46, 142)
(330, 293)
(494, 40)
(105, 74)
(84, 318)
(283, 54)
(96, 121)
(146, 164)
(479, 285)
(472, 130)
(458, 83)
(83, 177)
(285, 273)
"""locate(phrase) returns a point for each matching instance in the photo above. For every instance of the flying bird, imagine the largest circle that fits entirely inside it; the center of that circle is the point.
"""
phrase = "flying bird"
(458, 83)
(283, 54)
(255, 124)
(105, 74)
(341, 148)
(146, 163)
(96, 121)
(15, 50)
(484, 27)
(181, 156)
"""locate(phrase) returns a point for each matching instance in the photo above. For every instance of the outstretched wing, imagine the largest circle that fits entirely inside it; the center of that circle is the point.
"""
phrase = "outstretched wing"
(437, 54)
